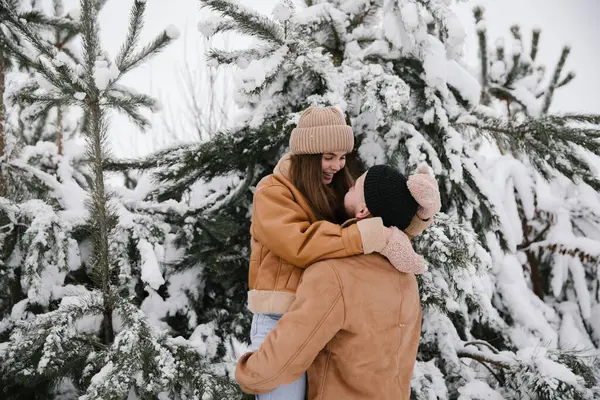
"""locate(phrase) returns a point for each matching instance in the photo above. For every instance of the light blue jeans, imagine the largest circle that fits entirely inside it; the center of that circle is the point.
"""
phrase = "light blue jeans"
(262, 324)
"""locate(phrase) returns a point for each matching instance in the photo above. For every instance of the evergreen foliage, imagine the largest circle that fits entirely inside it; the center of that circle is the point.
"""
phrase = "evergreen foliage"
(81, 259)
(140, 291)
(394, 67)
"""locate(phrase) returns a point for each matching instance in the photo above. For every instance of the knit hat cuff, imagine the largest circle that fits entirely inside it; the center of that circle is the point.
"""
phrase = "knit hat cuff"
(322, 139)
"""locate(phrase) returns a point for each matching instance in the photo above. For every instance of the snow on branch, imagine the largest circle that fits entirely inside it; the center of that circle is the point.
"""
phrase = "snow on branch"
(549, 142)
(247, 20)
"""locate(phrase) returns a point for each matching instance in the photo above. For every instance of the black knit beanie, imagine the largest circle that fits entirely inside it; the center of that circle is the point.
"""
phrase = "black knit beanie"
(387, 196)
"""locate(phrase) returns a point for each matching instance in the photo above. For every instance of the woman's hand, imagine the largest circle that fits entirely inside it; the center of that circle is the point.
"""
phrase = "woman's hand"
(400, 253)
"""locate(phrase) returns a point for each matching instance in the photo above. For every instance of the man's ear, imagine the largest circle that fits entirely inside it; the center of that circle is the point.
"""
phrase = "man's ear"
(363, 213)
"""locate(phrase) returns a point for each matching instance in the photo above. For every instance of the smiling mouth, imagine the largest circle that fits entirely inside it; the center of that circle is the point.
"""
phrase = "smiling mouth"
(328, 176)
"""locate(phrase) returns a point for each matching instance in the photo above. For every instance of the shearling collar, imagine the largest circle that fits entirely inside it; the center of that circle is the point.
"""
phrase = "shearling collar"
(283, 166)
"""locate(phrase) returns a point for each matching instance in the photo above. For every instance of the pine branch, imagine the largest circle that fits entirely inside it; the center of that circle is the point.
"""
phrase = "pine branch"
(516, 32)
(178, 168)
(269, 80)
(505, 94)
(500, 54)
(37, 18)
(495, 374)
(367, 17)
(512, 74)
(142, 164)
(41, 114)
(67, 51)
(231, 57)
(60, 76)
(49, 346)
(563, 249)
(570, 76)
(133, 34)
(486, 219)
(549, 142)
(483, 51)
(9, 18)
(482, 343)
(65, 35)
(130, 104)
(248, 21)
(133, 113)
(46, 101)
(210, 28)
(12, 50)
(535, 41)
(100, 4)
(494, 359)
(584, 365)
(58, 7)
(122, 93)
(555, 78)
(157, 45)
(33, 174)
(532, 375)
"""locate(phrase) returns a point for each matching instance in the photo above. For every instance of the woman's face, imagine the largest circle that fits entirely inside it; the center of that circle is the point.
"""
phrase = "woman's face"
(331, 163)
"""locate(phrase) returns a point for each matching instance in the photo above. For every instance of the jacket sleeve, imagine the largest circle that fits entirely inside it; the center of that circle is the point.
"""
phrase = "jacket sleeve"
(417, 226)
(280, 223)
(312, 321)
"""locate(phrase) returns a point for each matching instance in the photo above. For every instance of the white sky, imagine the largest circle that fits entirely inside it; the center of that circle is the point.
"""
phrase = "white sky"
(573, 22)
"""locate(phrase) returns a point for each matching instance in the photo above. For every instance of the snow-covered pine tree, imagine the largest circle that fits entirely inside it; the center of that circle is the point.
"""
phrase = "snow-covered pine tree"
(395, 68)
(16, 52)
(22, 190)
(41, 130)
(554, 215)
(288, 71)
(89, 260)
(57, 27)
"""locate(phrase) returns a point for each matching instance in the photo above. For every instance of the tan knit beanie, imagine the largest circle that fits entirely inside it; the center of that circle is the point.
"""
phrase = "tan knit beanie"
(321, 130)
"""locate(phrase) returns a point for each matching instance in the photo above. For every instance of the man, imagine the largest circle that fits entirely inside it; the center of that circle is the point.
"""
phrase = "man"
(355, 321)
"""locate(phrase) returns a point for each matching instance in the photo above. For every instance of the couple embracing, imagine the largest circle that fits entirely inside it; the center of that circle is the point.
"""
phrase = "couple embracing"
(332, 279)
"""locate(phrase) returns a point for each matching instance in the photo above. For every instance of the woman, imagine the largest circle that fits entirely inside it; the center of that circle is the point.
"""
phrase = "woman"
(296, 219)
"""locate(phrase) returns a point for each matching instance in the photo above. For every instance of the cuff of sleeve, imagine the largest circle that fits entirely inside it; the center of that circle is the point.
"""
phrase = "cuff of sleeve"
(352, 240)
(372, 234)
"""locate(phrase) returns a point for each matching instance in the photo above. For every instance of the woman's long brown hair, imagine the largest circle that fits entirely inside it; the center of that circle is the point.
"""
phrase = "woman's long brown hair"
(327, 201)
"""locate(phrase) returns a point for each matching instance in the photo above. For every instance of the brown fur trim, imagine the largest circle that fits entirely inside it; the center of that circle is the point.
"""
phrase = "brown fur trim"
(372, 234)
(283, 166)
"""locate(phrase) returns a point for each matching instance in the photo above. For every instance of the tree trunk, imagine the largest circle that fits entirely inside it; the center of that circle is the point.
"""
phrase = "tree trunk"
(536, 274)
(101, 218)
(59, 138)
(533, 259)
(2, 127)
(100, 212)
